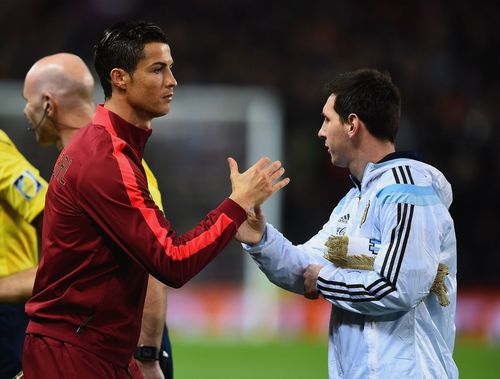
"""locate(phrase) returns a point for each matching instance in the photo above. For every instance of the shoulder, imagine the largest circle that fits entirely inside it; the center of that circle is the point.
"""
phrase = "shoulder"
(4, 138)
(344, 203)
(407, 181)
(7, 147)
(15, 166)
(400, 171)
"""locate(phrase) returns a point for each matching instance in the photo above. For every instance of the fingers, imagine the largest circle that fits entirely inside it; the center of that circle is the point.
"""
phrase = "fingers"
(311, 296)
(275, 171)
(276, 174)
(279, 185)
(233, 166)
(310, 276)
(272, 168)
(262, 163)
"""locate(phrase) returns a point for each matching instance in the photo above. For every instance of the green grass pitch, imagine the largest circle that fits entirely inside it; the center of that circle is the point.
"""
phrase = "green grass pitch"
(296, 359)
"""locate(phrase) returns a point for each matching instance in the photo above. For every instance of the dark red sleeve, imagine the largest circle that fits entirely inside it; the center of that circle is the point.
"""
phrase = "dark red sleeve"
(115, 195)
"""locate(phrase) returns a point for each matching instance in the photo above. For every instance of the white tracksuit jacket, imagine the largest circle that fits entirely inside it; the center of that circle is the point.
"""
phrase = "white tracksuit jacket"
(384, 323)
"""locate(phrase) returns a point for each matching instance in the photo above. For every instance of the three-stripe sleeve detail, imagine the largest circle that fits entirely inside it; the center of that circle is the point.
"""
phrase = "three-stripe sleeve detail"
(176, 252)
(392, 261)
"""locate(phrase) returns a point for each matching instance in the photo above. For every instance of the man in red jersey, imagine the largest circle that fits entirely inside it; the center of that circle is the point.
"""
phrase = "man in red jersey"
(102, 231)
(59, 91)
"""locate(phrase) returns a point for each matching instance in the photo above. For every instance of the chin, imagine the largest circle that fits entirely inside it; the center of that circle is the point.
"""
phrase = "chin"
(161, 112)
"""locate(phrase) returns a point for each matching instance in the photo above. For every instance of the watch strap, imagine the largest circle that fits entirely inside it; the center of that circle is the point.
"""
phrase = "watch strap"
(147, 353)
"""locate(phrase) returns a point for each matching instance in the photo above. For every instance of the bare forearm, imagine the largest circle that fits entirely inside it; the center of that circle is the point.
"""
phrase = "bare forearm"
(155, 309)
(17, 287)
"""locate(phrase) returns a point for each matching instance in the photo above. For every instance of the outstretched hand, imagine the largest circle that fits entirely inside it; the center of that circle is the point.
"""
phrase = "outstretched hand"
(256, 184)
(252, 230)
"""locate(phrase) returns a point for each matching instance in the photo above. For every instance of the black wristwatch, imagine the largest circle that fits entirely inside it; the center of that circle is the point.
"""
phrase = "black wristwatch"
(147, 353)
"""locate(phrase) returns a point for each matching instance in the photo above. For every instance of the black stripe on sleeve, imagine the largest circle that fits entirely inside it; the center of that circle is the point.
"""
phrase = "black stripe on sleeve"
(368, 293)
(403, 249)
(409, 174)
(395, 253)
(401, 227)
(403, 176)
(395, 173)
(391, 244)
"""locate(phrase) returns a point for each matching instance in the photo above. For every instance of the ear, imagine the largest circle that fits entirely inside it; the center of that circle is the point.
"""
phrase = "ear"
(49, 104)
(119, 78)
(353, 125)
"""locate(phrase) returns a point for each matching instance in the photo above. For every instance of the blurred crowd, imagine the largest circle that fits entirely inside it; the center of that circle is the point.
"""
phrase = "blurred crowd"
(443, 55)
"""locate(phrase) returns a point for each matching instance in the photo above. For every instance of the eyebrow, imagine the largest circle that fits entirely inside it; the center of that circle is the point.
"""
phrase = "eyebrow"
(162, 64)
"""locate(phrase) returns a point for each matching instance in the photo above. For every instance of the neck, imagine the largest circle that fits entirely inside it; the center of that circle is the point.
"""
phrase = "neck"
(369, 153)
(70, 123)
(127, 112)
(66, 136)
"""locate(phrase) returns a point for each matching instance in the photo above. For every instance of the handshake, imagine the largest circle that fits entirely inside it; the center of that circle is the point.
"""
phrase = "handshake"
(252, 187)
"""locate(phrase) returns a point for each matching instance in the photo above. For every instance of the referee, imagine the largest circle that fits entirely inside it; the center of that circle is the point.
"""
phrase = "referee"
(22, 198)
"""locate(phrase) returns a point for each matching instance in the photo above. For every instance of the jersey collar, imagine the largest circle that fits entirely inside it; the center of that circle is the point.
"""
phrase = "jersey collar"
(117, 126)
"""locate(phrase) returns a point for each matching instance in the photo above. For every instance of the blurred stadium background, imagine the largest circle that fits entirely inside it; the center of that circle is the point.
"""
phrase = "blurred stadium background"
(251, 80)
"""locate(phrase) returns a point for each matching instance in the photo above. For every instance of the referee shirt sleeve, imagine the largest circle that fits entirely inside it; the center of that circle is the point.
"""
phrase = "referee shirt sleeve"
(21, 185)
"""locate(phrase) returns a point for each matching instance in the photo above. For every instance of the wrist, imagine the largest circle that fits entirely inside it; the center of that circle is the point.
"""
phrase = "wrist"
(245, 204)
(145, 353)
(257, 244)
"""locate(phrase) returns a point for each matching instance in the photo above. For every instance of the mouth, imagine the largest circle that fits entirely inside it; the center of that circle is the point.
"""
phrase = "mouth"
(168, 97)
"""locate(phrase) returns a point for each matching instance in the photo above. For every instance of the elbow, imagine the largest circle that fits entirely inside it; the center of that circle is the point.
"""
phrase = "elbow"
(176, 283)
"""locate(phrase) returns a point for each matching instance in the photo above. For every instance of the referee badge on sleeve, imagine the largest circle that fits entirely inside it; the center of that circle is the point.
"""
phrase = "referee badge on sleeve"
(28, 185)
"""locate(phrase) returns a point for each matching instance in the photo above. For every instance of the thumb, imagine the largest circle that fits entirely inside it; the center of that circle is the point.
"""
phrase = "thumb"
(233, 166)
(258, 211)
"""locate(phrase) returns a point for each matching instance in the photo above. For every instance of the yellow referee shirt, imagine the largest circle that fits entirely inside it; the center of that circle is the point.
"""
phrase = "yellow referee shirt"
(154, 191)
(22, 198)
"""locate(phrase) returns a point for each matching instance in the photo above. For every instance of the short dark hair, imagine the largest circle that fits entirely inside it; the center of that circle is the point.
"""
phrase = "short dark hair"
(372, 96)
(122, 46)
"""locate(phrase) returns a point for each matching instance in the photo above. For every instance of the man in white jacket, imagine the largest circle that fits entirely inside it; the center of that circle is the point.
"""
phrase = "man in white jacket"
(386, 258)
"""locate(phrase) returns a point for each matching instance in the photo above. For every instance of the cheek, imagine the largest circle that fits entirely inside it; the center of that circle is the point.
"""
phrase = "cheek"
(331, 136)
(150, 89)
(28, 114)
(28, 111)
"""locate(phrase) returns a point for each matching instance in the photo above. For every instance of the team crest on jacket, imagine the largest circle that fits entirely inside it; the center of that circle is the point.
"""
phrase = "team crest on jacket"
(365, 213)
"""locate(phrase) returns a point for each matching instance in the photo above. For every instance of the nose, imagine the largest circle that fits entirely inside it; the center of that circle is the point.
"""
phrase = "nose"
(321, 132)
(171, 82)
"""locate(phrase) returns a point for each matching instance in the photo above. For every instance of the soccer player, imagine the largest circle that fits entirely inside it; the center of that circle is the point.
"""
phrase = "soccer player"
(386, 256)
(62, 87)
(22, 198)
(103, 232)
